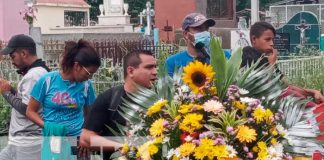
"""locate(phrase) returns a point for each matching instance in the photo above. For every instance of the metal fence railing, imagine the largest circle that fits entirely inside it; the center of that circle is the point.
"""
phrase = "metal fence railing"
(114, 50)
(302, 67)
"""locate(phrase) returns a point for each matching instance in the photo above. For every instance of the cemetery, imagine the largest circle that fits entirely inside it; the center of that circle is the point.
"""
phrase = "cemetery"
(119, 29)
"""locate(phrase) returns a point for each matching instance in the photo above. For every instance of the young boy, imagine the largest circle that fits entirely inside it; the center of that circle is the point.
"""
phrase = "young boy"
(261, 36)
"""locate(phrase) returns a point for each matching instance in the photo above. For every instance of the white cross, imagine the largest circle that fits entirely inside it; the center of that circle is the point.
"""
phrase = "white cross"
(149, 13)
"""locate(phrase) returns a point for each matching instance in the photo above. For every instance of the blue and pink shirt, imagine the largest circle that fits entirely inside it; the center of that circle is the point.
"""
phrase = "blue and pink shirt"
(63, 102)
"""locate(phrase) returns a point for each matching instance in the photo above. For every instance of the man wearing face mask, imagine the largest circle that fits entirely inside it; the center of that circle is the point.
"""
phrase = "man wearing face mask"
(195, 31)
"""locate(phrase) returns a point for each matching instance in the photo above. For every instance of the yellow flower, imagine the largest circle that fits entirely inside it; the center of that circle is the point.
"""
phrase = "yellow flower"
(213, 90)
(178, 117)
(175, 158)
(157, 106)
(196, 75)
(245, 134)
(268, 116)
(273, 141)
(220, 151)
(205, 148)
(263, 152)
(153, 149)
(186, 149)
(239, 105)
(262, 145)
(147, 150)
(273, 131)
(125, 149)
(262, 155)
(255, 149)
(157, 128)
(158, 140)
(258, 115)
(191, 122)
(186, 108)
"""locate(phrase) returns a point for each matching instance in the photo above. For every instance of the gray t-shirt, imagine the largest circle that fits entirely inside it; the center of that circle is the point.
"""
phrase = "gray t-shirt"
(22, 131)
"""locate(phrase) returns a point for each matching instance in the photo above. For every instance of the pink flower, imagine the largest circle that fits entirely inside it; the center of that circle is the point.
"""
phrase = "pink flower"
(213, 106)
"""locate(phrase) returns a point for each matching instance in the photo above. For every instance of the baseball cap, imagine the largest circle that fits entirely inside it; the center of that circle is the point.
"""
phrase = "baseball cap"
(18, 41)
(195, 20)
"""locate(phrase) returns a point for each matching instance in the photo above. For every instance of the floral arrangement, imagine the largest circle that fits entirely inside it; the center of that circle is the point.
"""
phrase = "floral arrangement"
(203, 115)
(239, 127)
(28, 14)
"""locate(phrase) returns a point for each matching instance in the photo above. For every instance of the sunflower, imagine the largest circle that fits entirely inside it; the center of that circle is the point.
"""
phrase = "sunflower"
(197, 75)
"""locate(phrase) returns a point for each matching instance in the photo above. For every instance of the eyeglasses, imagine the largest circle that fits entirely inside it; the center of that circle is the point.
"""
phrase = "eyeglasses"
(89, 74)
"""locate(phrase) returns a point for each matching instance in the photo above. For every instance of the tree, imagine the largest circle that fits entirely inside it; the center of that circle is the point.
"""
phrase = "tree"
(135, 7)
(94, 9)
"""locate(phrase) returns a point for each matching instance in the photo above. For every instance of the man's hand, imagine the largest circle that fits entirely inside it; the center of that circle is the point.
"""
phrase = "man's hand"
(318, 97)
(5, 86)
(272, 58)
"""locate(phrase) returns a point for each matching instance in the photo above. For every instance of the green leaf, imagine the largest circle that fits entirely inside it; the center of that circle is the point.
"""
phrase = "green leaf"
(218, 62)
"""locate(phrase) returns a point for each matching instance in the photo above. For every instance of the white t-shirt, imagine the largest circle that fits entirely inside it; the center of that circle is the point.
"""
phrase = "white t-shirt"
(22, 131)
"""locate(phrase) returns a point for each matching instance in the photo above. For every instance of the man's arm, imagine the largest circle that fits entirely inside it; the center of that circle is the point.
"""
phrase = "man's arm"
(318, 97)
(8, 94)
(90, 139)
(15, 102)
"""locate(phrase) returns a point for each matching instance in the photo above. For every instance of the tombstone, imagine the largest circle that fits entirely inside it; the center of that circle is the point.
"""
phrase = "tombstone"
(113, 13)
(303, 30)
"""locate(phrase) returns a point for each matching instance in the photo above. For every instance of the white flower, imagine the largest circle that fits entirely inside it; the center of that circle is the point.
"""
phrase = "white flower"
(281, 130)
(213, 106)
(188, 138)
(135, 128)
(185, 88)
(122, 158)
(247, 100)
(166, 139)
(173, 152)
(243, 91)
(231, 151)
(170, 153)
(275, 152)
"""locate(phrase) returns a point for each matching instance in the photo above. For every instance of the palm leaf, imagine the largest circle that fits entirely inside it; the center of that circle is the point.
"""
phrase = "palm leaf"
(300, 124)
(261, 82)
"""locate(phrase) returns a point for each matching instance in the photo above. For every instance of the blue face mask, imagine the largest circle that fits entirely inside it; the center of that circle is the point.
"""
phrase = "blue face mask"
(202, 39)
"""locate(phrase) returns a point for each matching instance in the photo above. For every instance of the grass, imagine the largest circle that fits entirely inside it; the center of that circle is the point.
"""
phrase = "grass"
(315, 81)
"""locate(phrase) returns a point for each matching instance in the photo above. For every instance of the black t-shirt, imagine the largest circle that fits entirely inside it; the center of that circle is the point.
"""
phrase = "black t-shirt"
(250, 55)
(104, 113)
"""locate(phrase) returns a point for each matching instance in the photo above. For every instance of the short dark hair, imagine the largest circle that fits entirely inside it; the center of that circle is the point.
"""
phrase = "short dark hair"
(81, 52)
(31, 50)
(259, 27)
(133, 59)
